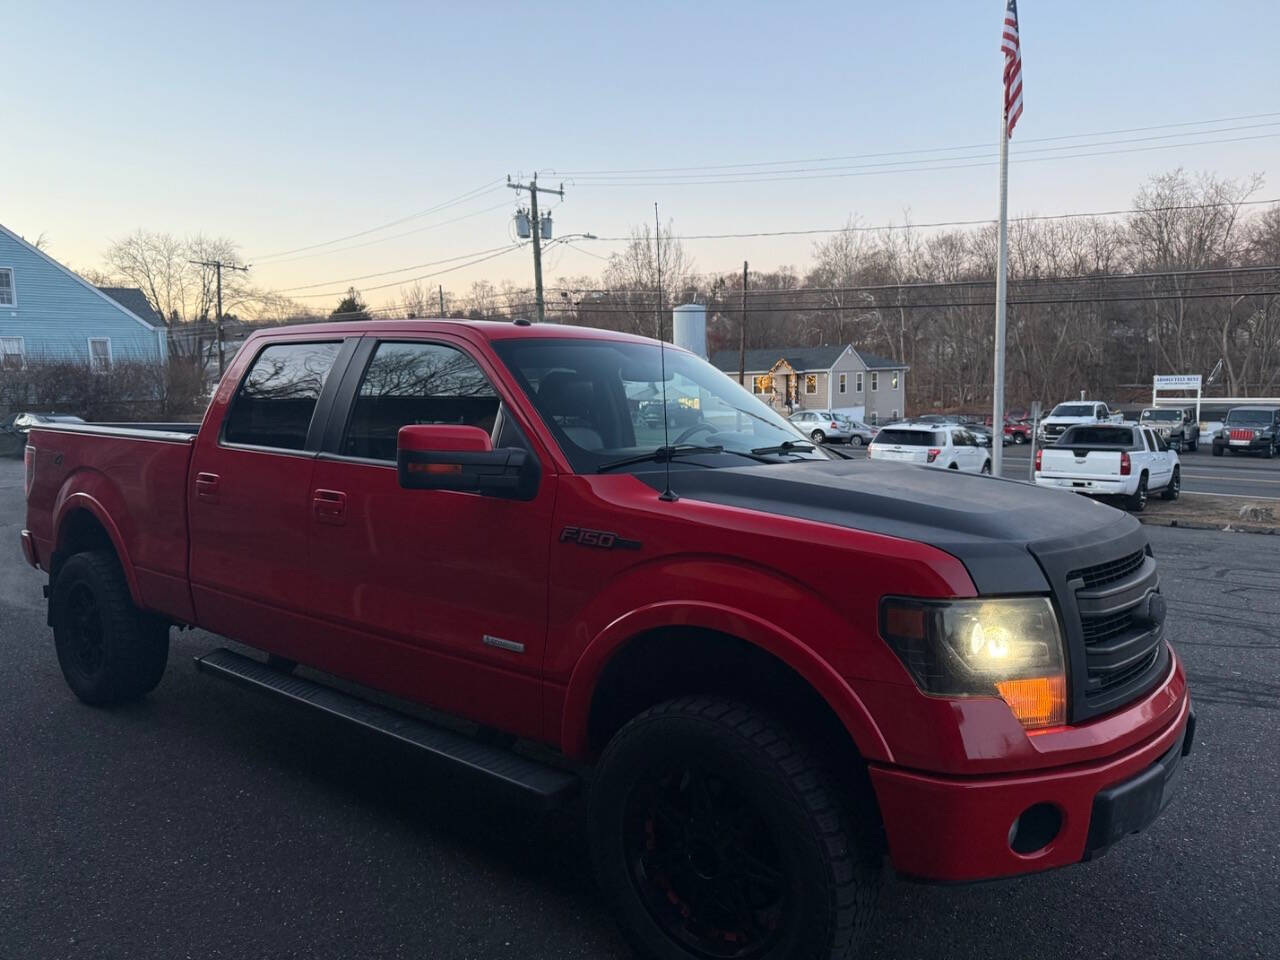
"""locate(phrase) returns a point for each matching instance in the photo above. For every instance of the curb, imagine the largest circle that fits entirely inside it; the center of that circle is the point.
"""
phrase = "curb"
(1199, 525)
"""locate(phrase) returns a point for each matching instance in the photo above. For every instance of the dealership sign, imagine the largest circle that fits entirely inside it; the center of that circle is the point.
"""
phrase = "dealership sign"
(1178, 382)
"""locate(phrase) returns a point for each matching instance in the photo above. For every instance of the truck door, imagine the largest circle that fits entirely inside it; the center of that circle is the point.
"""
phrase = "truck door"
(250, 474)
(435, 595)
(1161, 461)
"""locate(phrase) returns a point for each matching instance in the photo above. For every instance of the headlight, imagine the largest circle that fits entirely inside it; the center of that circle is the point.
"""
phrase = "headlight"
(1009, 648)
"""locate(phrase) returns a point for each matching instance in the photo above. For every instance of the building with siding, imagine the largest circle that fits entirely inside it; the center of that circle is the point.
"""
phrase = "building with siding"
(790, 379)
(50, 314)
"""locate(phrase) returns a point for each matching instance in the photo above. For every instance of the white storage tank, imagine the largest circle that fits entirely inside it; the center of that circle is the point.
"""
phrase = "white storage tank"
(689, 328)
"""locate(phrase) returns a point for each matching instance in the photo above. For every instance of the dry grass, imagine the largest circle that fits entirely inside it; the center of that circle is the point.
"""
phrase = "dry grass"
(1206, 511)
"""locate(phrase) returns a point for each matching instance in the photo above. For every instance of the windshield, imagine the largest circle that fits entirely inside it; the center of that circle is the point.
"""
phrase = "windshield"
(603, 401)
(911, 438)
(1251, 417)
(1162, 416)
(1072, 410)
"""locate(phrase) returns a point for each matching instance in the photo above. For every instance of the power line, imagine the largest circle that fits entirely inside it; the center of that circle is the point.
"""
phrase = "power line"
(479, 191)
(974, 156)
(394, 236)
(949, 223)
(894, 153)
(340, 293)
(384, 273)
(770, 178)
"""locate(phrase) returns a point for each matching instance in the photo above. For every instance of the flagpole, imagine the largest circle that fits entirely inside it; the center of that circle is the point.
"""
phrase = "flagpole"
(1002, 270)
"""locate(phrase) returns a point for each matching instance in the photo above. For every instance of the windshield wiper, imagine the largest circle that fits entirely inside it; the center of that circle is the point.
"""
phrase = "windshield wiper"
(786, 446)
(660, 455)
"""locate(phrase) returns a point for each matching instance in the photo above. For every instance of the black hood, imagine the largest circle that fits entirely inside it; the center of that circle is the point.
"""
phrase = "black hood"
(987, 523)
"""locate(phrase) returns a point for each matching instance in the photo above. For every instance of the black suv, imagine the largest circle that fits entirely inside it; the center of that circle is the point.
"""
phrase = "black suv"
(1250, 430)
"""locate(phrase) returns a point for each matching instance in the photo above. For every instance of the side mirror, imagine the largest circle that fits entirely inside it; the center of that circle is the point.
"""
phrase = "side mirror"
(453, 457)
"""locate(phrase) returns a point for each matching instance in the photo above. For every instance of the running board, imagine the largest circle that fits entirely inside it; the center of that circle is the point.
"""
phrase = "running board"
(544, 786)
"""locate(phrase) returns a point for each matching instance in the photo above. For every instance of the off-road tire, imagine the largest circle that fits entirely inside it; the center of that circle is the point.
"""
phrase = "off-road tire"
(1174, 487)
(1136, 502)
(109, 651)
(1217, 450)
(831, 868)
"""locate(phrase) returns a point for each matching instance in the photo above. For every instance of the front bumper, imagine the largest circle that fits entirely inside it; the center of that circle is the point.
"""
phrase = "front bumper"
(961, 829)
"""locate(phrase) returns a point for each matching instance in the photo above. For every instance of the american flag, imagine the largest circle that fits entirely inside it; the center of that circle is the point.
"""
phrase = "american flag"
(1012, 67)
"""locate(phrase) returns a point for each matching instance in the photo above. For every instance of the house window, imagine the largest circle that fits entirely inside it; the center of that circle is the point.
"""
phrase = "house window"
(894, 381)
(857, 383)
(6, 287)
(99, 354)
(875, 382)
(810, 383)
(893, 414)
(762, 384)
(12, 353)
(844, 382)
(874, 418)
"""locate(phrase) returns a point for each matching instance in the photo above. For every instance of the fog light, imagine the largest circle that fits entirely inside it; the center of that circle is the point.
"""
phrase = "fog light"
(1035, 829)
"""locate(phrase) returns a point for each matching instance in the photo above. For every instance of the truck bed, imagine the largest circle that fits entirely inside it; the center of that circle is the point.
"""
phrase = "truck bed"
(130, 480)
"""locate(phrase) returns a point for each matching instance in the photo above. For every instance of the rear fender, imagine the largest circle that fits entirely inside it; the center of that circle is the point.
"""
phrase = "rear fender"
(748, 627)
(93, 492)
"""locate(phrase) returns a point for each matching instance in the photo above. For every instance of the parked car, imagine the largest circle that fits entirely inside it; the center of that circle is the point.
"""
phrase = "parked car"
(1178, 426)
(1111, 460)
(1209, 429)
(21, 423)
(860, 434)
(822, 426)
(945, 446)
(1069, 414)
(984, 436)
(1018, 431)
(761, 731)
(1249, 430)
(15, 427)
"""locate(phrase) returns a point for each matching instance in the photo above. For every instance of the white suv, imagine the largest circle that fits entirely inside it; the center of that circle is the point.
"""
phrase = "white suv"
(946, 446)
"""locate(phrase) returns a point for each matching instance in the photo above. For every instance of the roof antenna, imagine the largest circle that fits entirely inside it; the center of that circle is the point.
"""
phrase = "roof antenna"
(666, 496)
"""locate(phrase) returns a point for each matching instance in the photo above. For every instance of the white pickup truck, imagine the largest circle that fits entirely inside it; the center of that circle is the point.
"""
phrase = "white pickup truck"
(1111, 460)
(1074, 412)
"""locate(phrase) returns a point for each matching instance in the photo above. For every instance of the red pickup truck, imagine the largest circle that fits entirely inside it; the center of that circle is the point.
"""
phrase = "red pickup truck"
(778, 668)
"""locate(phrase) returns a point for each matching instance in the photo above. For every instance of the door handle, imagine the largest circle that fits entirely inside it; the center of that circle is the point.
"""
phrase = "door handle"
(207, 487)
(329, 506)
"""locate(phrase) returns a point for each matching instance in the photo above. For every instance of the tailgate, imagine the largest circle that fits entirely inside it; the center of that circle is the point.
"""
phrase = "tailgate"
(1089, 464)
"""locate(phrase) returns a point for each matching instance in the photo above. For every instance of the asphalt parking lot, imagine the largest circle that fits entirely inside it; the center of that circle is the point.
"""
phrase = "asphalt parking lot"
(208, 822)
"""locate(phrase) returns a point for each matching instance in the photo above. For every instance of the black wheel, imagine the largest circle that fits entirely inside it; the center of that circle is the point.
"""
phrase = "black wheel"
(818, 436)
(1137, 501)
(716, 834)
(986, 468)
(1176, 446)
(1217, 450)
(1174, 488)
(855, 440)
(1019, 438)
(109, 650)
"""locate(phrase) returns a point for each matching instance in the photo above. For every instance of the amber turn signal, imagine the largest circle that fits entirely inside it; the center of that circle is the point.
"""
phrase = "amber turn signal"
(1036, 701)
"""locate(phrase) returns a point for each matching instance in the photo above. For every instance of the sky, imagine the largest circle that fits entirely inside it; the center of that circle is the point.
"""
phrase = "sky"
(288, 125)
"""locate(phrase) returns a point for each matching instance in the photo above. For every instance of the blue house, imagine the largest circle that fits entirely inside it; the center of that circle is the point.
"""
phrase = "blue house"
(49, 314)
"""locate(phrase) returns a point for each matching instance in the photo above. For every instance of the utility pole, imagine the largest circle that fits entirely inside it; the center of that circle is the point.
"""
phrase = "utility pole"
(219, 266)
(533, 190)
(441, 287)
(742, 332)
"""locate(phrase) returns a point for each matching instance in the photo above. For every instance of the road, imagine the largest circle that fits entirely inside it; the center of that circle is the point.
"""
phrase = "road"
(208, 822)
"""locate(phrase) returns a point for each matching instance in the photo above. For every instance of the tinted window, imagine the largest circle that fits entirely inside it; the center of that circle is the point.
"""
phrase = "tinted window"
(1072, 410)
(409, 383)
(1099, 437)
(911, 438)
(277, 397)
(607, 400)
(1162, 416)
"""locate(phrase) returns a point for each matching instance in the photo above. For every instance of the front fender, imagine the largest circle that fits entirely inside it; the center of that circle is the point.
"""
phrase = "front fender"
(726, 619)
